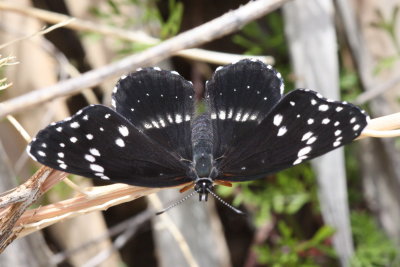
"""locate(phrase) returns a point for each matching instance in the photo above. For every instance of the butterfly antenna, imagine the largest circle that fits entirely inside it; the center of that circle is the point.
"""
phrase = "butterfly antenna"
(176, 203)
(225, 203)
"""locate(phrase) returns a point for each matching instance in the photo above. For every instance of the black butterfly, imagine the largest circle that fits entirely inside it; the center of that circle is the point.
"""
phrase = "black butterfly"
(152, 137)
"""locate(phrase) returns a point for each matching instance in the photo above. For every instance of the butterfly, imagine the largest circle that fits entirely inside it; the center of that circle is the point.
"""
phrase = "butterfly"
(152, 137)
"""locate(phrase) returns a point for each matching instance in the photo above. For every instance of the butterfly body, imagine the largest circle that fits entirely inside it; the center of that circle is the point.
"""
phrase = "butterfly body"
(152, 138)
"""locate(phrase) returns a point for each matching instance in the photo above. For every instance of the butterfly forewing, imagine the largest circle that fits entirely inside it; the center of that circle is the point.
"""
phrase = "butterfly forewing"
(301, 127)
(239, 96)
(97, 142)
(160, 103)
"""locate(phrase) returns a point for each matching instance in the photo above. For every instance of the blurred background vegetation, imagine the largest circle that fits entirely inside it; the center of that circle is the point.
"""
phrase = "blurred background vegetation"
(283, 225)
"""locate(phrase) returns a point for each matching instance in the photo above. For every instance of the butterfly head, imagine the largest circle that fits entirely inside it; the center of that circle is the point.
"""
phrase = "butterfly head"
(203, 186)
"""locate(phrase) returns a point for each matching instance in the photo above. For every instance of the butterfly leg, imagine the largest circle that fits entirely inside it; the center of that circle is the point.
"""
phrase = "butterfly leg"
(224, 183)
(186, 187)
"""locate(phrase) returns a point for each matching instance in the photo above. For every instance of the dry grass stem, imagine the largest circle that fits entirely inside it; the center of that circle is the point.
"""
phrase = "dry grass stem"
(96, 199)
(42, 32)
(20, 129)
(169, 224)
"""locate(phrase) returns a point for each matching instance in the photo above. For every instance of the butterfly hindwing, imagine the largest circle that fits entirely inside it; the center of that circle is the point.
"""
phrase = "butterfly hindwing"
(239, 97)
(161, 104)
(97, 142)
(301, 127)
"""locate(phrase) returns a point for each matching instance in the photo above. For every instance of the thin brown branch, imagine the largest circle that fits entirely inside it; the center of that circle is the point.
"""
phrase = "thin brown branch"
(226, 24)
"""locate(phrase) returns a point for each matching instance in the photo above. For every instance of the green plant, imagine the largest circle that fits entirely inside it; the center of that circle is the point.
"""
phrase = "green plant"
(373, 247)
(389, 27)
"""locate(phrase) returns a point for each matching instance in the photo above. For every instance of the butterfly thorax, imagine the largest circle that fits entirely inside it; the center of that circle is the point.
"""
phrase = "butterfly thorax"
(203, 161)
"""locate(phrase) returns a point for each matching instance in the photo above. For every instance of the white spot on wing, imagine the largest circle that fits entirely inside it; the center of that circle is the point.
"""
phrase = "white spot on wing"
(107, 115)
(175, 72)
(245, 116)
(178, 118)
(187, 118)
(238, 116)
(282, 131)
(304, 151)
(306, 136)
(123, 130)
(94, 152)
(96, 168)
(338, 132)
(59, 129)
(63, 166)
(325, 121)
(120, 142)
(230, 113)
(41, 153)
(313, 102)
(60, 154)
(310, 121)
(162, 123)
(170, 118)
(356, 127)
(278, 119)
(89, 136)
(90, 158)
(155, 124)
(75, 125)
(311, 140)
(222, 115)
(338, 109)
(73, 139)
(323, 107)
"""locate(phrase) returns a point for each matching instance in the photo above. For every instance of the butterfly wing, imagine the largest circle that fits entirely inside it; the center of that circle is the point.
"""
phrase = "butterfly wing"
(239, 97)
(159, 103)
(97, 142)
(302, 126)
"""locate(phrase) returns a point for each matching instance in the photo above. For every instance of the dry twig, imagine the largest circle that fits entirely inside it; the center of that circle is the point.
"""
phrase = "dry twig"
(226, 24)
(141, 37)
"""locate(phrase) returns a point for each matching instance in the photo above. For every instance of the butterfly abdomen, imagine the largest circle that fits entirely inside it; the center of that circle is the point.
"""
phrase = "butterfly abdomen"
(202, 145)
